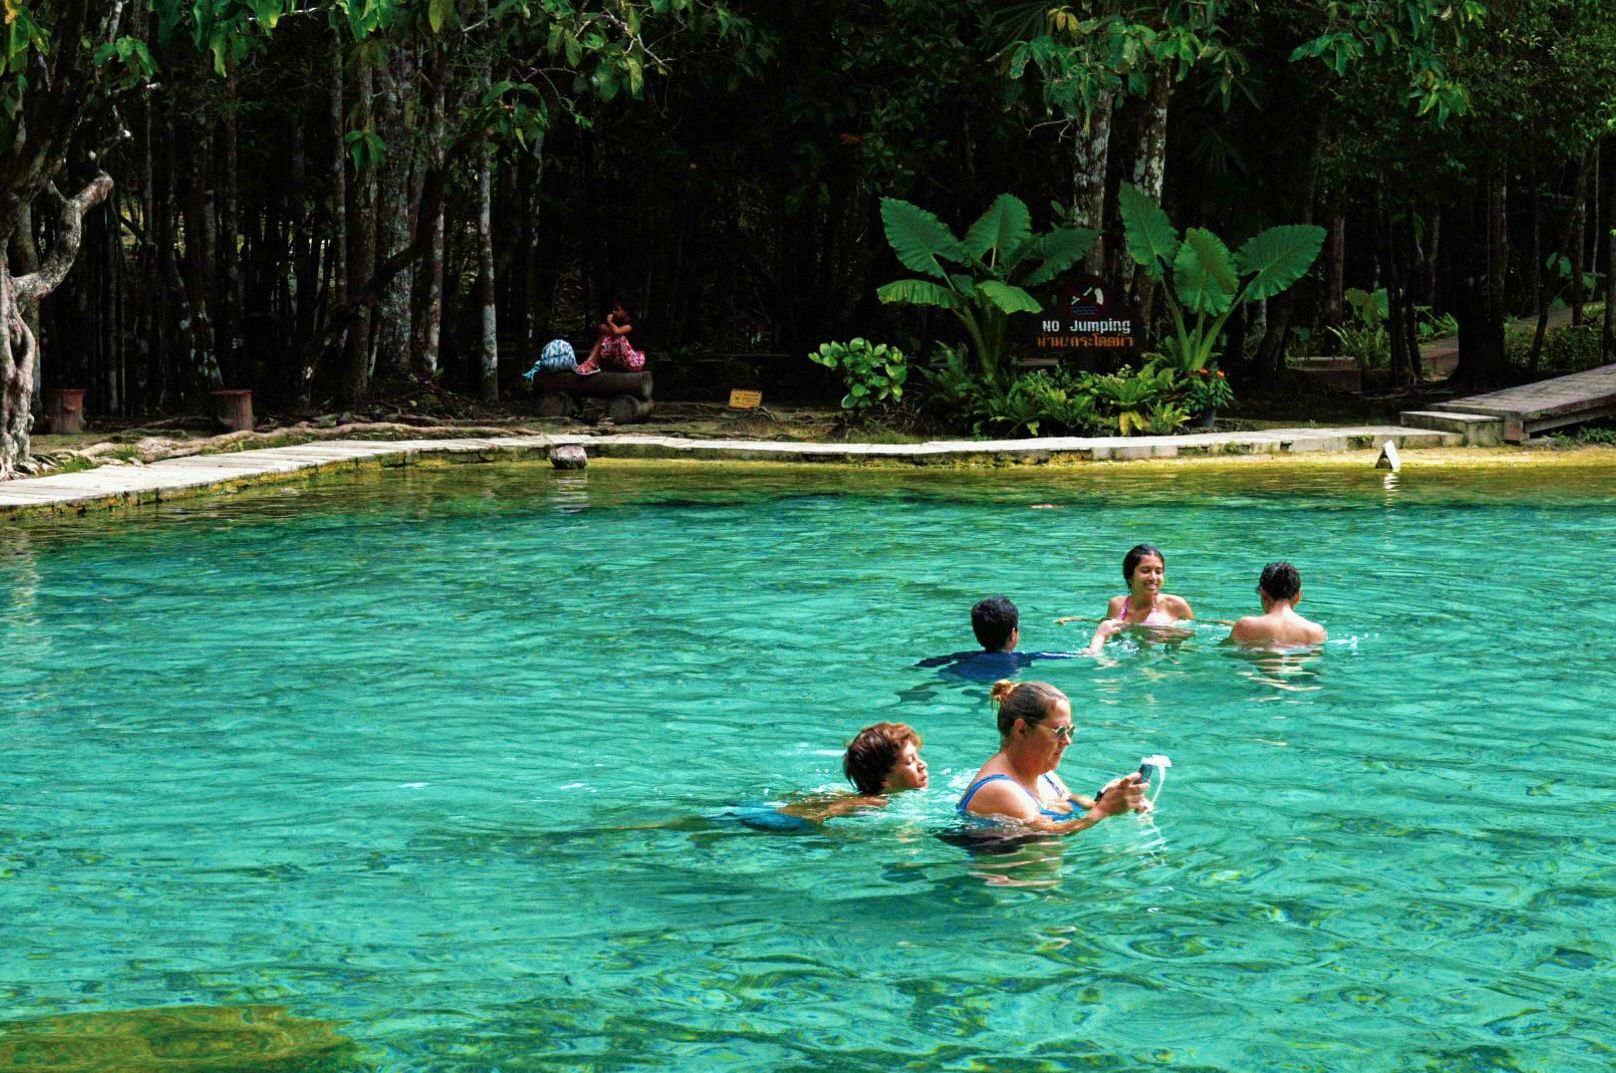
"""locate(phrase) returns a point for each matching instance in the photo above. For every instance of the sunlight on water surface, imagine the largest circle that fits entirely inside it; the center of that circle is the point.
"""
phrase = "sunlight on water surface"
(444, 757)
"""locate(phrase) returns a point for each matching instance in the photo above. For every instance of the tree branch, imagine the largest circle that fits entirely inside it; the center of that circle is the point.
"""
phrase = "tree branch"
(70, 233)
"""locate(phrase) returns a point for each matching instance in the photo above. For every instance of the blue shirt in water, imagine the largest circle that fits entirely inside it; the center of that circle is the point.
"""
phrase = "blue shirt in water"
(982, 666)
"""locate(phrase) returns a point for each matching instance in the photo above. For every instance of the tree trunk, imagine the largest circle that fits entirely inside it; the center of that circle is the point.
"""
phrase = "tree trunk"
(1479, 298)
(428, 305)
(147, 377)
(1150, 173)
(393, 116)
(25, 252)
(16, 378)
(196, 260)
(1536, 283)
(1298, 207)
(159, 255)
(17, 341)
(1091, 148)
(227, 246)
(1411, 260)
(1335, 259)
(1432, 249)
(1533, 281)
(1577, 247)
(335, 270)
(1395, 306)
(1607, 342)
(111, 315)
(361, 253)
(488, 348)
(532, 296)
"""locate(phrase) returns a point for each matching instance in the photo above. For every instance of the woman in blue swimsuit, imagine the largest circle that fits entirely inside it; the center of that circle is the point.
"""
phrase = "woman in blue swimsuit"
(1019, 783)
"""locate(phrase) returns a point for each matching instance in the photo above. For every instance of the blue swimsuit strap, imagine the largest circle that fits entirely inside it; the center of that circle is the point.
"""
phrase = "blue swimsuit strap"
(964, 803)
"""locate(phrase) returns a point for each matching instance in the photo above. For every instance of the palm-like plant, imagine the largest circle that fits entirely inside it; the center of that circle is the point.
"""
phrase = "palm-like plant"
(981, 279)
(1208, 281)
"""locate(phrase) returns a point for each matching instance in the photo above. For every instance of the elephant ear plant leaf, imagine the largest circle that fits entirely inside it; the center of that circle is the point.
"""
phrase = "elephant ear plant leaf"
(1204, 273)
(981, 279)
(921, 241)
(1003, 229)
(1207, 282)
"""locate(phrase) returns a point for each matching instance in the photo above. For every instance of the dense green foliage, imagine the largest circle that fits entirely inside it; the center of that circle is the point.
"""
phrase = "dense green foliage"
(1206, 283)
(982, 279)
(301, 187)
(873, 372)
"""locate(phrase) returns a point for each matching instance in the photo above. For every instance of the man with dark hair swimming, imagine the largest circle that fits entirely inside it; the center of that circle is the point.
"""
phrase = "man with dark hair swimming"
(997, 624)
(1280, 590)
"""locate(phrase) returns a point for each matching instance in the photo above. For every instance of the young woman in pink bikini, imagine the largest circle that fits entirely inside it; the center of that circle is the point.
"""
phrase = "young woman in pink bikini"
(1145, 569)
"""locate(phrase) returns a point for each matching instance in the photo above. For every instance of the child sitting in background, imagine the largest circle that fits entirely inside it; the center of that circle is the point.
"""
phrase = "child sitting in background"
(612, 349)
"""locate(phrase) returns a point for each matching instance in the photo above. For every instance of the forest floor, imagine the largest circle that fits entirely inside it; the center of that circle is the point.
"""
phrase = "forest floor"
(132, 443)
(413, 411)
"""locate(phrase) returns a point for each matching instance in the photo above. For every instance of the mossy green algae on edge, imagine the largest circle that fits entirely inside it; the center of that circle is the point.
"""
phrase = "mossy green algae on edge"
(175, 1039)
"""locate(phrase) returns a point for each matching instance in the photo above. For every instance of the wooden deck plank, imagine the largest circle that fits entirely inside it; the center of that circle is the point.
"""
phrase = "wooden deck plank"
(1529, 408)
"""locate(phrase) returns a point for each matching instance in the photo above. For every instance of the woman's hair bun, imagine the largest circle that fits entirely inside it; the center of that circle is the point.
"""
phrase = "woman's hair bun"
(1001, 690)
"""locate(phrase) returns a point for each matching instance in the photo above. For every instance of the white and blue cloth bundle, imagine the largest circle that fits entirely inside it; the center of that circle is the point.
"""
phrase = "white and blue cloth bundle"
(556, 357)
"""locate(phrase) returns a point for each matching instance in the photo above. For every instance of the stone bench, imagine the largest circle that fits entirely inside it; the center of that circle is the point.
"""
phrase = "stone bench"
(627, 395)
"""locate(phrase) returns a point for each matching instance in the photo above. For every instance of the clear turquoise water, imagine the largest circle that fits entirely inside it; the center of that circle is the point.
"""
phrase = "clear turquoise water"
(444, 756)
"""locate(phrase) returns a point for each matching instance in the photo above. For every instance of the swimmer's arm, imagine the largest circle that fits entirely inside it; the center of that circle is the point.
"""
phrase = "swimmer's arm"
(1124, 794)
(818, 811)
(999, 800)
(1180, 607)
(1066, 792)
(1101, 634)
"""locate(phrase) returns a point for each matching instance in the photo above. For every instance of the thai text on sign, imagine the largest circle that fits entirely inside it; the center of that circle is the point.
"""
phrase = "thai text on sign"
(1084, 318)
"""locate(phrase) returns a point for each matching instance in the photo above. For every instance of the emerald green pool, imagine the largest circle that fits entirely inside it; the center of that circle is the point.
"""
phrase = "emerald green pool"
(445, 756)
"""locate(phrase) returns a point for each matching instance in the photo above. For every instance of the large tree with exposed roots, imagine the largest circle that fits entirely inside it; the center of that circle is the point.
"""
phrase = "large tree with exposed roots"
(47, 90)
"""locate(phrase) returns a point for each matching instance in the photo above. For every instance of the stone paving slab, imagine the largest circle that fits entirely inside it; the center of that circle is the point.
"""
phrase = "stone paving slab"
(1046, 449)
(1479, 430)
(112, 486)
(1547, 404)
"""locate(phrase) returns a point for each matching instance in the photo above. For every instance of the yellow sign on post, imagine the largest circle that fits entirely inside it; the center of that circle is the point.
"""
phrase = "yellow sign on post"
(745, 400)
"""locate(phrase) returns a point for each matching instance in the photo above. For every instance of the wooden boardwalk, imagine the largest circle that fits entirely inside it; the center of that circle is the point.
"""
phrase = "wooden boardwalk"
(177, 478)
(1533, 408)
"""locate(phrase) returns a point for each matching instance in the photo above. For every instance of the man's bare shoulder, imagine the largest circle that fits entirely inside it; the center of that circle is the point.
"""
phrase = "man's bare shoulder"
(1252, 628)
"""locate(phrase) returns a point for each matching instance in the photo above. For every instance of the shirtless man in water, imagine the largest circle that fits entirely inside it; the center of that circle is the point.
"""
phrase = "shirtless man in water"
(1280, 590)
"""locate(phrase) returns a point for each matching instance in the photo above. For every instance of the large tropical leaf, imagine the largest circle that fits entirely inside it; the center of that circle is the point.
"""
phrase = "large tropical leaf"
(1279, 256)
(1004, 227)
(1059, 250)
(1151, 240)
(919, 292)
(1008, 299)
(921, 241)
(1203, 273)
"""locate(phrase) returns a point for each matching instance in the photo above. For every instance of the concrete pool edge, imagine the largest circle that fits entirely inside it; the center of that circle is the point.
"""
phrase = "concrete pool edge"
(111, 487)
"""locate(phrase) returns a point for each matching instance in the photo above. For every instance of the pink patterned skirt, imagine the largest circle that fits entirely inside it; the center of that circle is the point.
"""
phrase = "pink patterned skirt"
(616, 353)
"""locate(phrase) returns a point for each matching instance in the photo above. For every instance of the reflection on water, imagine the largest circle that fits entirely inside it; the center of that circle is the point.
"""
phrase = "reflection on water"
(1291, 669)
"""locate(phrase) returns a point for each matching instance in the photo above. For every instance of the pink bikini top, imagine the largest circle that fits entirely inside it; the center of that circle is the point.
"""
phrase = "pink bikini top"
(1157, 616)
